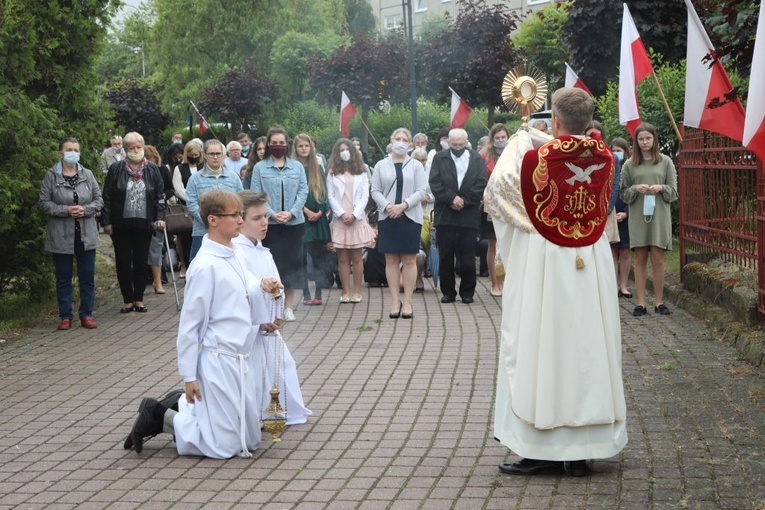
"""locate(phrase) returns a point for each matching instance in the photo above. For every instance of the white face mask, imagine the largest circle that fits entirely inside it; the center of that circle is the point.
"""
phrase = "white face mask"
(345, 155)
(400, 148)
(444, 144)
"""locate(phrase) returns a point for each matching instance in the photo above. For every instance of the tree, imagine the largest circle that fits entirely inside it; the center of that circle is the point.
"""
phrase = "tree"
(124, 53)
(662, 26)
(540, 40)
(136, 108)
(359, 17)
(731, 26)
(291, 53)
(368, 70)
(475, 57)
(226, 101)
(48, 90)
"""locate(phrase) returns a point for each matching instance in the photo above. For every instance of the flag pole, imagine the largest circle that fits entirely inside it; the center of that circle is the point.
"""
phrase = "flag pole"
(666, 106)
(370, 132)
(203, 118)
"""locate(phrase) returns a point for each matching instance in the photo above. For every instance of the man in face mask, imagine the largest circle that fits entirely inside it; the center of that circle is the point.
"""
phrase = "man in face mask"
(457, 181)
(112, 154)
(244, 141)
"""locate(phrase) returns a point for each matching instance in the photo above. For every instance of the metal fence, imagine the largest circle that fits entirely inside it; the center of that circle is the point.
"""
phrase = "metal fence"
(722, 203)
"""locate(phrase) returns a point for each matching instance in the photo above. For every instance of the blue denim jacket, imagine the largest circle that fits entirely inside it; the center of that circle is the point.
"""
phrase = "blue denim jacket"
(287, 189)
(202, 182)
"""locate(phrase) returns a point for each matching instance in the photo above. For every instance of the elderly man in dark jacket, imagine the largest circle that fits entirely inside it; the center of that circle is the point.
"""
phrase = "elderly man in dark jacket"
(457, 180)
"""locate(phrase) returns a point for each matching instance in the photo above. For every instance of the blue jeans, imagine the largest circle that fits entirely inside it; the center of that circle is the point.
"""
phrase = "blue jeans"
(196, 243)
(86, 274)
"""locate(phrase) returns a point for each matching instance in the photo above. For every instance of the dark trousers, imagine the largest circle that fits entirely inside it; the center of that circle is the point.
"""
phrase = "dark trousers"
(86, 274)
(322, 270)
(131, 250)
(459, 242)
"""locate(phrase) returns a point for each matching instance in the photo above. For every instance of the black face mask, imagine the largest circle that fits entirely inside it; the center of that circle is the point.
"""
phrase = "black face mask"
(193, 161)
(458, 152)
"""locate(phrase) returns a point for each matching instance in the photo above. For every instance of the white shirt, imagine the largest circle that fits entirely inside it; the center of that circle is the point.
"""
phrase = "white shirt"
(462, 165)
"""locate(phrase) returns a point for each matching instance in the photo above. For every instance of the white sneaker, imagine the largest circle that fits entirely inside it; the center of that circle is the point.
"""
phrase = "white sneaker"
(288, 315)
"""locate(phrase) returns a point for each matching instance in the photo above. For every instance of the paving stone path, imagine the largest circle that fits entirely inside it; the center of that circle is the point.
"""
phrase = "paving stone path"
(402, 418)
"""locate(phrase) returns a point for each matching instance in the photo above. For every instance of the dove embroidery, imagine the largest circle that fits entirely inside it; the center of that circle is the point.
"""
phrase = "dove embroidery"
(582, 175)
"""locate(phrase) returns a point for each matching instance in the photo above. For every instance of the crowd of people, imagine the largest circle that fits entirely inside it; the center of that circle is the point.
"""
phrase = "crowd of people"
(312, 222)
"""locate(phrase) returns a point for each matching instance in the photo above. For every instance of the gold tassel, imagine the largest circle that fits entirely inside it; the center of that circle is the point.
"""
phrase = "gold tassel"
(579, 262)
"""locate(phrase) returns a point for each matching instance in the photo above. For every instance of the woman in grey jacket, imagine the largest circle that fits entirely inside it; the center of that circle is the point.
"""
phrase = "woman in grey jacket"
(398, 187)
(70, 196)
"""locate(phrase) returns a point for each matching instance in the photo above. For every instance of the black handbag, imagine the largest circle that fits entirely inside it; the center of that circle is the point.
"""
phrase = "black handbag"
(178, 220)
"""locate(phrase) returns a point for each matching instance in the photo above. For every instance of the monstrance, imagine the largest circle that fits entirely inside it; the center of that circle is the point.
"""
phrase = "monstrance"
(524, 90)
(275, 416)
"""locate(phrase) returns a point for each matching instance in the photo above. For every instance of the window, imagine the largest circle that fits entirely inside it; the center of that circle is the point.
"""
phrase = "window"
(393, 22)
(421, 5)
(534, 2)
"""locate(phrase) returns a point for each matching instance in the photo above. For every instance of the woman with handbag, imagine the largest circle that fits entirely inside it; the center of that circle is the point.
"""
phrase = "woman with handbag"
(134, 203)
(192, 162)
(398, 188)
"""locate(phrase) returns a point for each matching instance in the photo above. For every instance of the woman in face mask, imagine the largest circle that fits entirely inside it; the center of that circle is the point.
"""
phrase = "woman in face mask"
(648, 185)
(398, 188)
(495, 145)
(283, 180)
(193, 160)
(70, 197)
(134, 205)
(317, 233)
(621, 249)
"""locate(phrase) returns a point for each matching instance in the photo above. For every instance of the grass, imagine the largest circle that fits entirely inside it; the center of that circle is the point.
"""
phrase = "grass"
(18, 313)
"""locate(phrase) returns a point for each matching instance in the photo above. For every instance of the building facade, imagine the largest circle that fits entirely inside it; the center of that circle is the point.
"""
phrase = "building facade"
(390, 13)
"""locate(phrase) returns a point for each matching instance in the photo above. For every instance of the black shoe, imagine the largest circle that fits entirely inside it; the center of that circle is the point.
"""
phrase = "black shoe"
(483, 274)
(467, 300)
(145, 426)
(532, 467)
(627, 295)
(577, 467)
(639, 310)
(448, 299)
(661, 309)
(397, 315)
(170, 401)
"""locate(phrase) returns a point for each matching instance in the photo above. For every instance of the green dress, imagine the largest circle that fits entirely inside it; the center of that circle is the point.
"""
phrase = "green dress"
(653, 230)
(317, 230)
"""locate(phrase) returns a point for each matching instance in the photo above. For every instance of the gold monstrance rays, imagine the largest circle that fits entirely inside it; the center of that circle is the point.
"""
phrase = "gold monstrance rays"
(524, 90)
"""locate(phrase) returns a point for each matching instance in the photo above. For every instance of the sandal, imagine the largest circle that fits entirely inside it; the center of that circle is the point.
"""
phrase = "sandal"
(317, 302)
(308, 302)
(345, 299)
(356, 299)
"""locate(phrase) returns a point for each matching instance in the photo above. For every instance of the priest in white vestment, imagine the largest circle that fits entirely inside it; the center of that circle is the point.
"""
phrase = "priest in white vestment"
(219, 414)
(261, 263)
(560, 396)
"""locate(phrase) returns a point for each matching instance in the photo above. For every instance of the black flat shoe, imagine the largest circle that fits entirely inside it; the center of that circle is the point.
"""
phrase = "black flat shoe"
(532, 467)
(639, 311)
(627, 295)
(467, 300)
(661, 309)
(407, 315)
(398, 314)
(448, 299)
(127, 309)
(577, 467)
(140, 309)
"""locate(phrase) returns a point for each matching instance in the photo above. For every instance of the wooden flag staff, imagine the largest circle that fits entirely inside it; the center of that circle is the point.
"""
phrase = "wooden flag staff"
(666, 106)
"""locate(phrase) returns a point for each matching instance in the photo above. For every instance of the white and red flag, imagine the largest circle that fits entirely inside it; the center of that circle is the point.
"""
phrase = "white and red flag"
(460, 110)
(203, 125)
(754, 128)
(347, 111)
(574, 81)
(710, 99)
(634, 67)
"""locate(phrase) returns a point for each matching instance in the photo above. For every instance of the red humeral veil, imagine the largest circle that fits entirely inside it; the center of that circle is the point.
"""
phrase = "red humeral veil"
(566, 185)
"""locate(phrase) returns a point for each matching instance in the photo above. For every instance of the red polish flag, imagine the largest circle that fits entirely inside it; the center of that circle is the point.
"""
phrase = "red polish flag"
(710, 100)
(347, 111)
(754, 129)
(460, 110)
(634, 67)
(573, 80)
(203, 125)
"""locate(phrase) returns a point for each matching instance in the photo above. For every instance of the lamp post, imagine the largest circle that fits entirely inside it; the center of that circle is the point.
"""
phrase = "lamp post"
(407, 6)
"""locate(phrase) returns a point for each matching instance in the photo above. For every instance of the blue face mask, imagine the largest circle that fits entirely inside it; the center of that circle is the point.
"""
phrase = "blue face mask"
(649, 205)
(71, 158)
(619, 156)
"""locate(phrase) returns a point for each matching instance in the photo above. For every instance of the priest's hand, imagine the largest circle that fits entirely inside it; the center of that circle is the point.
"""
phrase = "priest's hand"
(192, 392)
(271, 285)
(269, 327)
